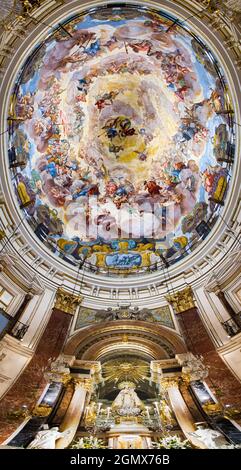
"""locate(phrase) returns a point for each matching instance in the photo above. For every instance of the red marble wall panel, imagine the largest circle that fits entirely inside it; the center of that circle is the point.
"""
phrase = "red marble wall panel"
(220, 380)
(30, 385)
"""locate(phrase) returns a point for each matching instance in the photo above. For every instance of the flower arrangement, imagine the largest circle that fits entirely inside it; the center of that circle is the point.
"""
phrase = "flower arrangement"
(88, 443)
(171, 442)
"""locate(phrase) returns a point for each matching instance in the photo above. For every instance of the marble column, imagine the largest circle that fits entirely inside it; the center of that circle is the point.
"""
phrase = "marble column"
(74, 412)
(180, 410)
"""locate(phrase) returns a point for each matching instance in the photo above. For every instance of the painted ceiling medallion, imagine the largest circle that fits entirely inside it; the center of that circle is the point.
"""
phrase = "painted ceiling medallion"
(121, 140)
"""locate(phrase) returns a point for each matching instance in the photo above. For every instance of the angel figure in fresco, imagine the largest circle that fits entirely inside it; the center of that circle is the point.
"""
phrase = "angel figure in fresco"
(152, 187)
(106, 99)
(143, 46)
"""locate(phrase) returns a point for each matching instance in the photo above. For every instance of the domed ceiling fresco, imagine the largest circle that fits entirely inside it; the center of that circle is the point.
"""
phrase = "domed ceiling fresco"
(120, 139)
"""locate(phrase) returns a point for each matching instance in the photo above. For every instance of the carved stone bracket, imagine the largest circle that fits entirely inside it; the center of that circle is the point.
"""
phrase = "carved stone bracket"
(182, 300)
(66, 301)
(193, 367)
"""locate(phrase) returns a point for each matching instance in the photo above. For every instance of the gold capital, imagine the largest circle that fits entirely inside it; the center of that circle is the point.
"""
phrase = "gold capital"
(82, 382)
(182, 300)
(65, 378)
(66, 301)
(169, 382)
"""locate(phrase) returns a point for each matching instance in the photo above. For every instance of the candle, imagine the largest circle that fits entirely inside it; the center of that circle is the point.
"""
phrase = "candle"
(98, 409)
(87, 411)
(147, 412)
(108, 412)
(157, 408)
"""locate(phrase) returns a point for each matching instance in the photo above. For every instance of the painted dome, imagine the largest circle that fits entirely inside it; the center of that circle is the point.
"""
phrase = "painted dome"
(120, 140)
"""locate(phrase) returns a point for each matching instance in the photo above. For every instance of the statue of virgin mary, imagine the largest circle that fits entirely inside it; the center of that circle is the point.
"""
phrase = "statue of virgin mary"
(127, 402)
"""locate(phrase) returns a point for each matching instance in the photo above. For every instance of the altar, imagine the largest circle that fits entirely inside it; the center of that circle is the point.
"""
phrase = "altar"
(128, 432)
(129, 435)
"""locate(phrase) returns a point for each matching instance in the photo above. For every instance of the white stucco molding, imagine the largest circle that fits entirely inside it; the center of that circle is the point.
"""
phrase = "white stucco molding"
(11, 265)
(230, 267)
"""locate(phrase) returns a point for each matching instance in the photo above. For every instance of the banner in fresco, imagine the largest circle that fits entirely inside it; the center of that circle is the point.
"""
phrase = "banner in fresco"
(128, 260)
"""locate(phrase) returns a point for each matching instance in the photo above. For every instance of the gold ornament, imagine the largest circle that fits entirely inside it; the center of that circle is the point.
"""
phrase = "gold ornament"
(186, 378)
(17, 414)
(213, 6)
(126, 419)
(86, 384)
(66, 301)
(182, 300)
(125, 338)
(2, 234)
(227, 411)
(65, 379)
(232, 413)
(27, 6)
(42, 410)
(212, 408)
(169, 382)
(119, 371)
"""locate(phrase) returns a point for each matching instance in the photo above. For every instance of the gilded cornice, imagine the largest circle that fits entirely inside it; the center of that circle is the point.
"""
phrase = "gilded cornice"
(93, 366)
